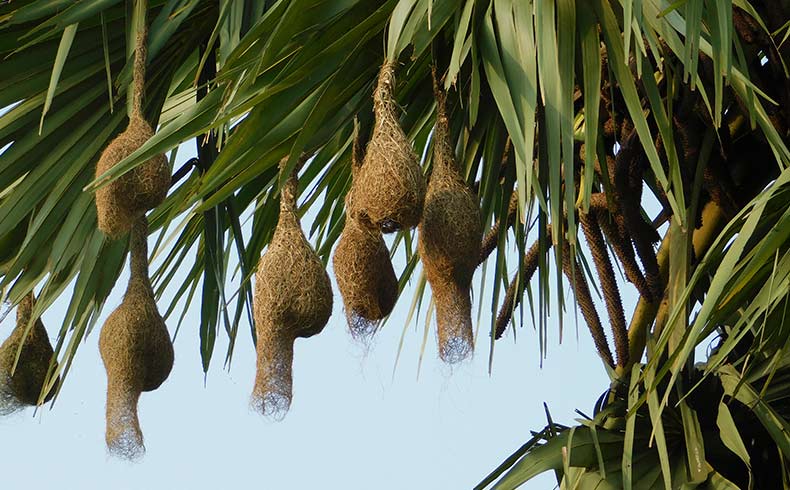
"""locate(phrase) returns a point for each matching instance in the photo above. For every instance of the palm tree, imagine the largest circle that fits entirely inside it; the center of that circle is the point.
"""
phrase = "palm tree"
(563, 115)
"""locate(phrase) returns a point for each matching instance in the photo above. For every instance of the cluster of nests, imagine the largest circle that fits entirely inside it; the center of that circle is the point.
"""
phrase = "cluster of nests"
(293, 295)
(134, 343)
(388, 193)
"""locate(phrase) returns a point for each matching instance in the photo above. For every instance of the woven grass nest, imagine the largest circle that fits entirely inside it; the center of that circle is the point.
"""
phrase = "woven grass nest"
(122, 201)
(293, 298)
(24, 386)
(391, 186)
(363, 267)
(136, 350)
(450, 235)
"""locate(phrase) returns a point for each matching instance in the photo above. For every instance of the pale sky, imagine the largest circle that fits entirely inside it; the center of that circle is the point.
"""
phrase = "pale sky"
(352, 425)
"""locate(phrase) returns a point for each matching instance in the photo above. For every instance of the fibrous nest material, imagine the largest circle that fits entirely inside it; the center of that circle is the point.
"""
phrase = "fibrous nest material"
(23, 386)
(136, 350)
(122, 201)
(365, 277)
(391, 185)
(363, 267)
(293, 298)
(450, 235)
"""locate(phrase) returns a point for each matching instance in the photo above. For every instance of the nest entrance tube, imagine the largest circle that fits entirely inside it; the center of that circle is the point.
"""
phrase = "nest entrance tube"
(136, 351)
(449, 243)
(22, 386)
(391, 186)
(121, 202)
(293, 298)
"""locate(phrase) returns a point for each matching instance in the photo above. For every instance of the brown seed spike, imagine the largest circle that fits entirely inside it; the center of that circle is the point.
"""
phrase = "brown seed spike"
(24, 386)
(491, 238)
(136, 350)
(603, 265)
(628, 181)
(449, 242)
(293, 298)
(586, 305)
(529, 265)
(121, 202)
(391, 184)
(621, 245)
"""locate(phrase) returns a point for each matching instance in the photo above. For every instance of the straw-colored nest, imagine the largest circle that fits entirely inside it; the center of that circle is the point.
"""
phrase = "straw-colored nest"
(365, 277)
(24, 386)
(121, 202)
(136, 349)
(449, 244)
(391, 185)
(293, 298)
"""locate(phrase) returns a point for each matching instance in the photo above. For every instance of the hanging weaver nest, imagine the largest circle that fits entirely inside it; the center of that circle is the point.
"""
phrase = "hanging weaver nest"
(293, 298)
(23, 386)
(449, 243)
(363, 268)
(391, 186)
(122, 201)
(136, 350)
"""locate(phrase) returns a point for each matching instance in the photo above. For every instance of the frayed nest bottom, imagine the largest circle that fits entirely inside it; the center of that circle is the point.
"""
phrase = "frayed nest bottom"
(273, 390)
(9, 403)
(454, 324)
(123, 435)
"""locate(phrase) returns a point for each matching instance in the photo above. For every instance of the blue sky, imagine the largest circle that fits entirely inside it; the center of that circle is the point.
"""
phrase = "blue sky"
(352, 424)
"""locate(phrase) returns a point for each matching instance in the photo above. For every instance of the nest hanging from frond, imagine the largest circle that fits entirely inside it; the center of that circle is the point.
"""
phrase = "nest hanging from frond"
(293, 298)
(449, 243)
(136, 350)
(362, 265)
(122, 201)
(391, 186)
